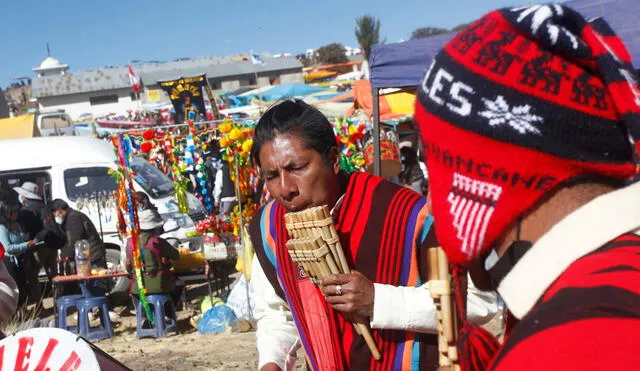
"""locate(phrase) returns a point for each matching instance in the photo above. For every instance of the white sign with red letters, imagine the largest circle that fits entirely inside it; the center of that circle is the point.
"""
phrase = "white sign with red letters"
(46, 349)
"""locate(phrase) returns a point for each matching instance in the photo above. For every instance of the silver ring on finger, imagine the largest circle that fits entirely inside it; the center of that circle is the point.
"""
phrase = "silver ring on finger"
(338, 290)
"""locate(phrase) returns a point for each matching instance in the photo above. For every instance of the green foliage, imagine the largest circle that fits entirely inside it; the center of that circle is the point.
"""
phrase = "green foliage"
(422, 32)
(332, 53)
(367, 33)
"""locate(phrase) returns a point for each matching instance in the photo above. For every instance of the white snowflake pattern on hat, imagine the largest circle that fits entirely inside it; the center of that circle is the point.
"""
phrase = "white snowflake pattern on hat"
(519, 117)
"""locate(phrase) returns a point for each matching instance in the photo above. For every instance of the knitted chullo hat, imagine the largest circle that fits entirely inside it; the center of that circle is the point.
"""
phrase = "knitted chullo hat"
(519, 103)
(522, 101)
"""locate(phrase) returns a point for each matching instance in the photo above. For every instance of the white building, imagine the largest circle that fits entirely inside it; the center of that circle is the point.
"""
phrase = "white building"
(106, 91)
(350, 52)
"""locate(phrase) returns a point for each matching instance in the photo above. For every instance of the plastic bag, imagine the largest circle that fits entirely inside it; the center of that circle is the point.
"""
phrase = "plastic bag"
(217, 320)
(238, 297)
(206, 303)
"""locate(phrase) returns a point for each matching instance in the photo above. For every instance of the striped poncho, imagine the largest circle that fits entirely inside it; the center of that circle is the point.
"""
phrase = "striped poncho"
(381, 227)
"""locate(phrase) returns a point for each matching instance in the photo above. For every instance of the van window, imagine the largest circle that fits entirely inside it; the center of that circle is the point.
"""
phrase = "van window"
(88, 182)
(9, 181)
(55, 122)
(152, 180)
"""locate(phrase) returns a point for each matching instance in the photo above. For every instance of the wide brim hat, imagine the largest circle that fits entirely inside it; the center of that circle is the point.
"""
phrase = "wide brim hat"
(149, 220)
(28, 190)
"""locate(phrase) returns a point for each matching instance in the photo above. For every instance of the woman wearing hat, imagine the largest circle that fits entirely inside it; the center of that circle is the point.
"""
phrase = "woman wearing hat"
(11, 237)
(156, 254)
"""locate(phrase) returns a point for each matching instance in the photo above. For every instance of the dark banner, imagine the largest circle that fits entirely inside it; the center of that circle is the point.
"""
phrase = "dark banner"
(186, 95)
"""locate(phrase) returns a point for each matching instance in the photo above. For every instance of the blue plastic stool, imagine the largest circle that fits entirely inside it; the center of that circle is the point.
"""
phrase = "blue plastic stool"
(64, 304)
(104, 331)
(160, 326)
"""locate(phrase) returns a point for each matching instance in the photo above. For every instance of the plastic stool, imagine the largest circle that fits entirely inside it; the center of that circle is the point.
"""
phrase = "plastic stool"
(104, 331)
(160, 326)
(64, 303)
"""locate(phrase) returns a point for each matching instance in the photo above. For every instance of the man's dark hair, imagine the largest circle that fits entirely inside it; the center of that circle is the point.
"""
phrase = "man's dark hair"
(59, 204)
(296, 118)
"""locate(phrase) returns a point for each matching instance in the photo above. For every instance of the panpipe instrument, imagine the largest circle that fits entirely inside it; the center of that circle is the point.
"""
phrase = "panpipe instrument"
(440, 287)
(315, 247)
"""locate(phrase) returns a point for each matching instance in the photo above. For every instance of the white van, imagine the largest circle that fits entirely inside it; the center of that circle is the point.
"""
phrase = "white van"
(51, 123)
(76, 169)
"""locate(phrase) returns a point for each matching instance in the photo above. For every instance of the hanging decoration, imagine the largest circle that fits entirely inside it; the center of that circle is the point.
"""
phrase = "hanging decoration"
(236, 142)
(350, 134)
(127, 202)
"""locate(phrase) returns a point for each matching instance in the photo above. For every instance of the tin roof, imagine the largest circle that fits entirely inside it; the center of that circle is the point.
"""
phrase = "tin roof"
(150, 74)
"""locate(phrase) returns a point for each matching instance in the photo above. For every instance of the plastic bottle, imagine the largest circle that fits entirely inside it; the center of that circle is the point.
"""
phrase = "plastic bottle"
(82, 260)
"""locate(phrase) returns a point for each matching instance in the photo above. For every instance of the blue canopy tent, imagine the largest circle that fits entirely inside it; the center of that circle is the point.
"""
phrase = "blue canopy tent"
(403, 64)
(399, 65)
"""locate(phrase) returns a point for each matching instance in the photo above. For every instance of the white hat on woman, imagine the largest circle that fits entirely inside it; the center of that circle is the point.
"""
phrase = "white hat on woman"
(149, 219)
(28, 190)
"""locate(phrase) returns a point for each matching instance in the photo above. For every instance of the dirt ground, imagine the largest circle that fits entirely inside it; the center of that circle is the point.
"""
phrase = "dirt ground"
(188, 350)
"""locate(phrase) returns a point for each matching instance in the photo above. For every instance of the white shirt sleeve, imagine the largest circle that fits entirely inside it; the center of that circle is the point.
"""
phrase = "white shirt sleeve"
(8, 294)
(276, 336)
(413, 309)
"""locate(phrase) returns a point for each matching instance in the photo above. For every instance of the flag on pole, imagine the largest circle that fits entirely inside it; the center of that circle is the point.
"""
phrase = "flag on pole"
(133, 80)
(255, 58)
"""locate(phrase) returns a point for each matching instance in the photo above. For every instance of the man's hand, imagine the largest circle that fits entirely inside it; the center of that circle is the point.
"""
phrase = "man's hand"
(352, 294)
(31, 243)
(270, 367)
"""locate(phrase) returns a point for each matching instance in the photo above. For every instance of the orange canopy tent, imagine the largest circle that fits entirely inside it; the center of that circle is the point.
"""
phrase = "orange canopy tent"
(392, 106)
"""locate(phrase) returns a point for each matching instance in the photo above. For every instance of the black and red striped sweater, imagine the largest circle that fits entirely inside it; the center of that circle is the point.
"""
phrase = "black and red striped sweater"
(588, 319)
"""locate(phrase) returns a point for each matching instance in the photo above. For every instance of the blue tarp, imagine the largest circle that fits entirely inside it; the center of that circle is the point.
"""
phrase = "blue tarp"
(403, 64)
(275, 93)
(288, 90)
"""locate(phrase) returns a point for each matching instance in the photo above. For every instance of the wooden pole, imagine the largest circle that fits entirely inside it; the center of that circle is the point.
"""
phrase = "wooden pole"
(376, 132)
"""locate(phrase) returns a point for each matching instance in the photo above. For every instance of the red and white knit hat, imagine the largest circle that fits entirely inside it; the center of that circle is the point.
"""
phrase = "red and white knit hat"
(519, 103)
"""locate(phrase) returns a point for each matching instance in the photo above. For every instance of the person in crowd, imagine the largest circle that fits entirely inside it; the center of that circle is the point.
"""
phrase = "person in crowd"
(77, 226)
(16, 247)
(531, 124)
(9, 292)
(156, 256)
(30, 216)
(411, 175)
(385, 241)
(224, 194)
(36, 222)
(30, 222)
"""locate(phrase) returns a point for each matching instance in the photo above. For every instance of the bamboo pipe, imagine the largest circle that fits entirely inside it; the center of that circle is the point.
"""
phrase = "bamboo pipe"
(338, 246)
(445, 300)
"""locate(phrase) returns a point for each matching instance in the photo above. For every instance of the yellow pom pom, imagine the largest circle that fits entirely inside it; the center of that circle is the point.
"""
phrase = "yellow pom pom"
(225, 127)
(234, 134)
(246, 146)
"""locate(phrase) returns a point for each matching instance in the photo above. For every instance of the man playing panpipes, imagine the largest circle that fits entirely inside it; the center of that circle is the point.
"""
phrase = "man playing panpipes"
(531, 125)
(384, 230)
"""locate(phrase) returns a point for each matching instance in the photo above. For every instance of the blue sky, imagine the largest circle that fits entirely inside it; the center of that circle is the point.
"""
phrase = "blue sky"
(92, 34)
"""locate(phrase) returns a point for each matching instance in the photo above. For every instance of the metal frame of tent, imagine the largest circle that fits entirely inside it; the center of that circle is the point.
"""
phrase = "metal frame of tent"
(399, 65)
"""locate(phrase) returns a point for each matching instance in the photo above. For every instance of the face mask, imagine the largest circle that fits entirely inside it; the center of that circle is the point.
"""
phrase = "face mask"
(59, 220)
(21, 200)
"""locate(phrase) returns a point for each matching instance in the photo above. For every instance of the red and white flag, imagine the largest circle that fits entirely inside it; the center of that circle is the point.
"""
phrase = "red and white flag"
(133, 79)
